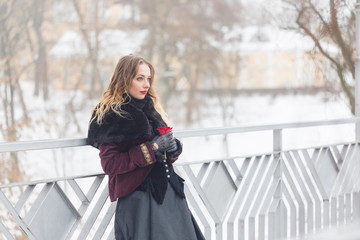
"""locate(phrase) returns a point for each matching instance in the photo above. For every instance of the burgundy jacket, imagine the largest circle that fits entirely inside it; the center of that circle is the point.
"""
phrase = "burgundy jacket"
(126, 167)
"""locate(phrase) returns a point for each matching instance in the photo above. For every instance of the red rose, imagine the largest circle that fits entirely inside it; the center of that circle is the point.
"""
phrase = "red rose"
(164, 130)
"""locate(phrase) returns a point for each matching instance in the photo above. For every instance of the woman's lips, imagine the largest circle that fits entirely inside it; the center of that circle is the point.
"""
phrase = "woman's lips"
(143, 92)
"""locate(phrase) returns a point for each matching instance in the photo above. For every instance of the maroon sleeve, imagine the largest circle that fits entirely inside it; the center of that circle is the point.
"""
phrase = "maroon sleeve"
(115, 162)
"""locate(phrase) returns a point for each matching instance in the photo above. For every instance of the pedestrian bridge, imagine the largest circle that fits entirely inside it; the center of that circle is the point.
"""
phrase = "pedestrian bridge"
(284, 192)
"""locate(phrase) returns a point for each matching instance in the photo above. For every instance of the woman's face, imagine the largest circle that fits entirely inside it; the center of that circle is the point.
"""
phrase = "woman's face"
(140, 85)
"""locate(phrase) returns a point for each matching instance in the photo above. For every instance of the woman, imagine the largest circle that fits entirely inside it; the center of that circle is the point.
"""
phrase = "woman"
(150, 195)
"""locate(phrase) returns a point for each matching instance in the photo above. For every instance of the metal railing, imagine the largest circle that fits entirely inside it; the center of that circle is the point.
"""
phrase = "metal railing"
(281, 194)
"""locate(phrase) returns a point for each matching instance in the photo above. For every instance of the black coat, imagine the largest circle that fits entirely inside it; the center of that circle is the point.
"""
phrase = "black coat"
(139, 125)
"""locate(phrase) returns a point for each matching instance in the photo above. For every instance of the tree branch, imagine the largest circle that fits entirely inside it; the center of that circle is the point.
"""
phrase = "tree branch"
(337, 36)
(339, 67)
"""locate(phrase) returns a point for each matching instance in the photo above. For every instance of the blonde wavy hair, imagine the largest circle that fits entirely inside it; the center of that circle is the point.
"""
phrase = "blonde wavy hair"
(125, 71)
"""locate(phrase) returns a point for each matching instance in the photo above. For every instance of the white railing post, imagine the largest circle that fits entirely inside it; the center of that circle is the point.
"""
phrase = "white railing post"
(226, 146)
(280, 218)
(357, 69)
(277, 140)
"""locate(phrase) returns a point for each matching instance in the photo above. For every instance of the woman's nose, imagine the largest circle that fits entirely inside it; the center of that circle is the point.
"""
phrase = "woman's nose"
(146, 84)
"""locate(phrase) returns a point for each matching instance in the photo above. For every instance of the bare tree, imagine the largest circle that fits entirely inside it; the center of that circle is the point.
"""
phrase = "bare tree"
(13, 21)
(331, 24)
(41, 78)
(92, 44)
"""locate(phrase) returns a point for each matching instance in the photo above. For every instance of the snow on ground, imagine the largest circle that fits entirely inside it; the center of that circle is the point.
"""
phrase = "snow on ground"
(259, 110)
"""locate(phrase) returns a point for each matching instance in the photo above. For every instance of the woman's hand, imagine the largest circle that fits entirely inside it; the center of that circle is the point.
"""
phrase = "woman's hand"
(164, 143)
(173, 155)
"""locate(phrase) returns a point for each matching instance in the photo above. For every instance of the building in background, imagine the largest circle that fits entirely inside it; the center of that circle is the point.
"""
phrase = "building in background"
(260, 57)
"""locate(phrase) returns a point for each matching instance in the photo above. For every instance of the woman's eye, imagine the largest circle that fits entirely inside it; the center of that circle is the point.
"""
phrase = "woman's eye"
(149, 79)
(139, 78)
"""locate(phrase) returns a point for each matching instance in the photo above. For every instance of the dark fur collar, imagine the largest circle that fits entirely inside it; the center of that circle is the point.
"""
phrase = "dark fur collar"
(139, 124)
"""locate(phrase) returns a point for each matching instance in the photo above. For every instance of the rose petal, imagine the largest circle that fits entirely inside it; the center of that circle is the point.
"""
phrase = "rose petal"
(164, 130)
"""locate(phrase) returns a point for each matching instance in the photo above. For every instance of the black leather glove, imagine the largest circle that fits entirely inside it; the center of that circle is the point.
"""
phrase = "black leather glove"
(164, 143)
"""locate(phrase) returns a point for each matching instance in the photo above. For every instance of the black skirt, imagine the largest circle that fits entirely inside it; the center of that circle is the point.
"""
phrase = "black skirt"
(139, 217)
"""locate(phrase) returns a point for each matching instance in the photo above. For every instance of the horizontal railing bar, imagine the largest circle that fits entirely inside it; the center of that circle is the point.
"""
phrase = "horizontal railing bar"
(229, 130)
(41, 144)
(257, 154)
(49, 180)
(175, 164)
(77, 142)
